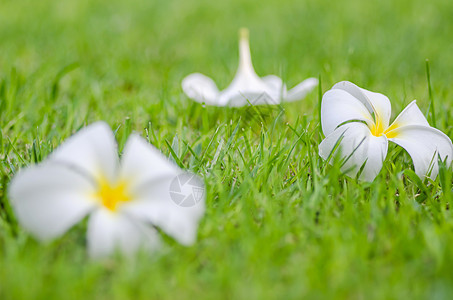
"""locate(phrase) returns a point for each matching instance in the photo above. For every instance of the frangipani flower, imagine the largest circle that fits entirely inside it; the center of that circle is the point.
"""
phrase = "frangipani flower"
(357, 121)
(124, 200)
(246, 87)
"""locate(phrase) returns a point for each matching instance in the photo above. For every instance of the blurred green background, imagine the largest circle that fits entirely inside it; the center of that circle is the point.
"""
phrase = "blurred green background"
(142, 49)
(279, 224)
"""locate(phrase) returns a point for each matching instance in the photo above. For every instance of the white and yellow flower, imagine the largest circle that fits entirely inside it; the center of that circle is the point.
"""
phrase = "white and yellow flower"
(125, 200)
(356, 122)
(247, 87)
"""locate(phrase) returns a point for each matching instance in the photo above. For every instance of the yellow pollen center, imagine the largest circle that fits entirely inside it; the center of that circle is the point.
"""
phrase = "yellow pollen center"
(391, 132)
(112, 195)
(378, 129)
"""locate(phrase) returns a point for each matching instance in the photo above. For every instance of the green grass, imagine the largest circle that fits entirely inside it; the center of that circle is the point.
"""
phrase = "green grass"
(280, 223)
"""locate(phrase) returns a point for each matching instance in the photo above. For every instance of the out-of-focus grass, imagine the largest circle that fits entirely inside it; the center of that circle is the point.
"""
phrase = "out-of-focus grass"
(279, 222)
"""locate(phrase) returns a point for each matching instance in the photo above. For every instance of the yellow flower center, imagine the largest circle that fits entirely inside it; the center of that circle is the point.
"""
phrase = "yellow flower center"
(377, 129)
(112, 195)
(390, 132)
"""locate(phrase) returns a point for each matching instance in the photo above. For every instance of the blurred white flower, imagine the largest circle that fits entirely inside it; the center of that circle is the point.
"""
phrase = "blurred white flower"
(357, 121)
(246, 88)
(124, 200)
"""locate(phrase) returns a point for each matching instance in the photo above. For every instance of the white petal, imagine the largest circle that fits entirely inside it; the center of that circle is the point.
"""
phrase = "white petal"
(276, 86)
(109, 231)
(49, 199)
(249, 98)
(423, 144)
(375, 102)
(411, 115)
(201, 88)
(247, 89)
(92, 151)
(357, 146)
(142, 163)
(154, 188)
(299, 91)
(274, 82)
(339, 106)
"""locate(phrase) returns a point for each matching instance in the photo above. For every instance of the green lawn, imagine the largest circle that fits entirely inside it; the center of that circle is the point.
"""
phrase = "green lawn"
(280, 223)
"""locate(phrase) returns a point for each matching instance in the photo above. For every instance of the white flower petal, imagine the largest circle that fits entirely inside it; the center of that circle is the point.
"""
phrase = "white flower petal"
(339, 106)
(109, 231)
(302, 89)
(201, 88)
(92, 151)
(358, 147)
(274, 83)
(238, 99)
(247, 89)
(49, 199)
(375, 102)
(276, 86)
(142, 163)
(153, 203)
(423, 144)
(152, 176)
(411, 115)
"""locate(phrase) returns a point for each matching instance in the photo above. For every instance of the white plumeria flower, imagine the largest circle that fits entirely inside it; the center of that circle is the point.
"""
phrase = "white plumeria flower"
(124, 200)
(357, 121)
(246, 87)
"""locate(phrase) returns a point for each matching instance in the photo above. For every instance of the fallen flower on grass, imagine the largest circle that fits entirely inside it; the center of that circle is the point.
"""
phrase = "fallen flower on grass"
(356, 123)
(124, 200)
(246, 88)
